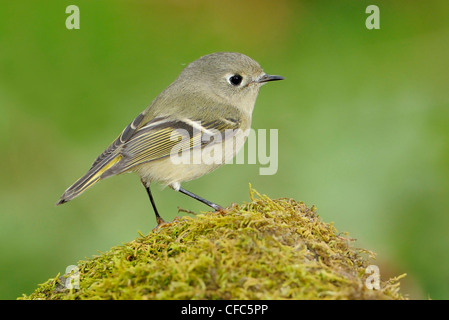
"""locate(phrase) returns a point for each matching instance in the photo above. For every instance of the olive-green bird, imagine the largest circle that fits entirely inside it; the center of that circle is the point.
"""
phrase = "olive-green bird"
(213, 95)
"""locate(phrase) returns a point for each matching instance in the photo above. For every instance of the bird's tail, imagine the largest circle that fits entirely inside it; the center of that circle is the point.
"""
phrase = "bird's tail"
(95, 174)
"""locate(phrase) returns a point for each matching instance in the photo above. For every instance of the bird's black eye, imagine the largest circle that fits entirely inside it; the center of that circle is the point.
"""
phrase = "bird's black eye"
(235, 80)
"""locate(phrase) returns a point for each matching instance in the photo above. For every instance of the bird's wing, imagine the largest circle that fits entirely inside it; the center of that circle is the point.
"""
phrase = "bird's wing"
(157, 139)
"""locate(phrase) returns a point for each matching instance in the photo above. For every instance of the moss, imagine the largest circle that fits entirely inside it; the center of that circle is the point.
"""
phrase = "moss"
(265, 249)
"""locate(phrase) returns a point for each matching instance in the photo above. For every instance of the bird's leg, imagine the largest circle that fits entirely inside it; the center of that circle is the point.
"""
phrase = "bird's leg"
(194, 196)
(159, 219)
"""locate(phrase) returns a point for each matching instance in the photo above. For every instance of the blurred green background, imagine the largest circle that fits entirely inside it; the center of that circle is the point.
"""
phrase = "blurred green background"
(362, 118)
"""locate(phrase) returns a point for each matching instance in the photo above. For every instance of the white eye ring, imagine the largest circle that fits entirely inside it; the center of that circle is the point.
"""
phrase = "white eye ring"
(235, 80)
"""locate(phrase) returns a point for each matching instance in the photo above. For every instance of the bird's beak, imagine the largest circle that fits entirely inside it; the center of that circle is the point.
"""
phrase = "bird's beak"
(267, 77)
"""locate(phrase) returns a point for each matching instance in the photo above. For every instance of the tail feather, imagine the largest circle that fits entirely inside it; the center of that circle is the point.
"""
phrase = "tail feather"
(89, 179)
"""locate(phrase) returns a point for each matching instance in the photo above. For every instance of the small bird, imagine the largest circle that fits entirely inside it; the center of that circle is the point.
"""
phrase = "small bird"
(214, 94)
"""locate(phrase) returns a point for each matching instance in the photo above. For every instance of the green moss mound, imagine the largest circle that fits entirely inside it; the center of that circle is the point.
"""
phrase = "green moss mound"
(265, 249)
